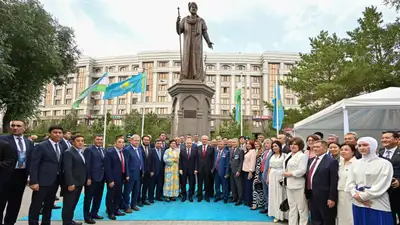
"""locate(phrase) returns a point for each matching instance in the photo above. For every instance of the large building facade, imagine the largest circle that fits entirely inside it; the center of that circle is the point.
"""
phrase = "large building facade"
(224, 72)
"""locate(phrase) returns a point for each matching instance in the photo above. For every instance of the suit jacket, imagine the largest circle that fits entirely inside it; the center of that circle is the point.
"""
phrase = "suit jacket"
(8, 160)
(113, 166)
(286, 149)
(74, 168)
(158, 163)
(222, 167)
(28, 148)
(297, 165)
(325, 180)
(205, 162)
(188, 164)
(236, 161)
(266, 163)
(395, 160)
(135, 162)
(45, 167)
(147, 159)
(94, 162)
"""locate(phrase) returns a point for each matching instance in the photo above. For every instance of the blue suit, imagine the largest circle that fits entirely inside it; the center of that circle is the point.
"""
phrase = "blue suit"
(265, 174)
(135, 168)
(158, 177)
(113, 173)
(221, 170)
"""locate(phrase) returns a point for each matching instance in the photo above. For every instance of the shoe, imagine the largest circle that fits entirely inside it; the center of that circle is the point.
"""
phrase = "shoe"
(276, 220)
(56, 207)
(264, 211)
(207, 199)
(216, 200)
(160, 199)
(151, 201)
(97, 217)
(119, 213)
(238, 203)
(135, 208)
(167, 199)
(76, 223)
(90, 221)
(146, 203)
(128, 210)
(183, 199)
(112, 217)
(199, 199)
(190, 199)
(173, 199)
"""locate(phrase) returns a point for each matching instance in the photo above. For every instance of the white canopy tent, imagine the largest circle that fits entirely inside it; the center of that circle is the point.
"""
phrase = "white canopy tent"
(367, 115)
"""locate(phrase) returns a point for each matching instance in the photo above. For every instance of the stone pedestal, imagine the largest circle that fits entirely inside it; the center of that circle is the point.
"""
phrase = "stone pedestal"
(191, 107)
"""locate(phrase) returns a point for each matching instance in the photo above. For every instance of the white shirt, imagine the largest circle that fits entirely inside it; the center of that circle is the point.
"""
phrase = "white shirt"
(23, 143)
(392, 150)
(67, 142)
(344, 170)
(316, 166)
(56, 150)
(119, 154)
(80, 154)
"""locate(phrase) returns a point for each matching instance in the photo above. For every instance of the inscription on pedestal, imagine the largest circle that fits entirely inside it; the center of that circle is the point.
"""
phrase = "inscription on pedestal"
(190, 114)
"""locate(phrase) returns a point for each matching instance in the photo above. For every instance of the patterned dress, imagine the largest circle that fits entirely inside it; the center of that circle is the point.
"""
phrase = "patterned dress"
(171, 177)
(258, 194)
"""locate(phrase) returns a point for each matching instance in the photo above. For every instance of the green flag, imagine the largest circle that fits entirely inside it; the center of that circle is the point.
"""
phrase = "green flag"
(99, 86)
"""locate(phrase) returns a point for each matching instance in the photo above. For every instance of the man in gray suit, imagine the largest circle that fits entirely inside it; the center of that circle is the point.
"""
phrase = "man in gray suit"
(236, 164)
(264, 169)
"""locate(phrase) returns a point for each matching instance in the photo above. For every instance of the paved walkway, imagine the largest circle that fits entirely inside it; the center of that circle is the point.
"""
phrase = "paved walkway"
(27, 196)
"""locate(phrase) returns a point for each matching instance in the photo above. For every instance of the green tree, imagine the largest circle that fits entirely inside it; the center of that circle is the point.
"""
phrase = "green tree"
(393, 3)
(34, 51)
(231, 129)
(153, 125)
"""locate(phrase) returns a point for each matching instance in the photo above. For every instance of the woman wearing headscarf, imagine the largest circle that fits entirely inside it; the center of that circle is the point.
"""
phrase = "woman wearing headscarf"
(171, 177)
(277, 193)
(368, 182)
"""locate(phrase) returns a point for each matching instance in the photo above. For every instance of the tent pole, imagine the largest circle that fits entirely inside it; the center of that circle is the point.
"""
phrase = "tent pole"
(346, 127)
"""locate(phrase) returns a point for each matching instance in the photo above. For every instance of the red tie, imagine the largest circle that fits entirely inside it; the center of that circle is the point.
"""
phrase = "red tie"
(263, 161)
(216, 163)
(122, 162)
(310, 172)
(204, 151)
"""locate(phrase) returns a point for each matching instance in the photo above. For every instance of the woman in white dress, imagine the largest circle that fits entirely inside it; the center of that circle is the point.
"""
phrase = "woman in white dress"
(295, 167)
(368, 181)
(344, 205)
(276, 191)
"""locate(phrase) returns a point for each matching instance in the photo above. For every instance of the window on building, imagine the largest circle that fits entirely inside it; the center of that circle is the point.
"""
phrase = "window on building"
(57, 102)
(123, 68)
(122, 78)
(255, 90)
(135, 67)
(225, 101)
(162, 76)
(225, 78)
(255, 101)
(162, 87)
(67, 112)
(288, 66)
(97, 102)
(240, 67)
(289, 101)
(225, 67)
(162, 99)
(177, 64)
(68, 91)
(212, 123)
(256, 68)
(147, 99)
(68, 101)
(121, 101)
(225, 90)
(110, 101)
(58, 92)
(70, 80)
(256, 113)
(210, 67)
(176, 76)
(111, 69)
(163, 64)
(161, 110)
(210, 78)
(225, 112)
(134, 100)
(121, 111)
(255, 79)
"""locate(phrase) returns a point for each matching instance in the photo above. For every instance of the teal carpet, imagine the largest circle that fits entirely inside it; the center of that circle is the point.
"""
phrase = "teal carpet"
(170, 211)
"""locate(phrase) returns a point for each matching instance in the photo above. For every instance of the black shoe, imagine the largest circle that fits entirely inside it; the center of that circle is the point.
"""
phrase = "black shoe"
(140, 204)
(56, 207)
(112, 217)
(183, 199)
(238, 203)
(199, 199)
(207, 199)
(41, 211)
(119, 213)
(76, 223)
(190, 199)
(97, 217)
(90, 221)
(160, 199)
(173, 199)
(216, 200)
(232, 200)
(264, 211)
(146, 202)
(151, 201)
(57, 198)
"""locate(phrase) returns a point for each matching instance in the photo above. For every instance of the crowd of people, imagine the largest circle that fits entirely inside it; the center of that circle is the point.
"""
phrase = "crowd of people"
(313, 182)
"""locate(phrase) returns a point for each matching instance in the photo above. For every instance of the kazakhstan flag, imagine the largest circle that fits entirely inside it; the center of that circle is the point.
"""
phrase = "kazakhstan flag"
(279, 113)
(133, 84)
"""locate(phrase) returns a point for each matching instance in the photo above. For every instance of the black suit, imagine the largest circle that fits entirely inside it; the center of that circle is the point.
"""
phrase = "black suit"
(13, 190)
(8, 159)
(323, 188)
(158, 178)
(45, 170)
(74, 174)
(205, 163)
(149, 168)
(188, 164)
(394, 193)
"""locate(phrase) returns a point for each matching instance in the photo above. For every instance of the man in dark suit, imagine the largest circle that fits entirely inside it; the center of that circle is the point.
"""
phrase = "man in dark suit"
(221, 172)
(45, 175)
(163, 138)
(136, 167)
(117, 173)
(391, 152)
(187, 166)
(158, 178)
(236, 164)
(74, 178)
(205, 162)
(8, 159)
(321, 185)
(148, 172)
(94, 188)
(13, 190)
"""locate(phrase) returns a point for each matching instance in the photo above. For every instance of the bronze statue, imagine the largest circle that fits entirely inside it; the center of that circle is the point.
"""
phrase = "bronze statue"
(193, 28)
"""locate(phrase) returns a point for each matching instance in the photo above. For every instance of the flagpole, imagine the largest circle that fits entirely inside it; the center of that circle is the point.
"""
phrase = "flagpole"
(143, 107)
(105, 119)
(241, 104)
(277, 105)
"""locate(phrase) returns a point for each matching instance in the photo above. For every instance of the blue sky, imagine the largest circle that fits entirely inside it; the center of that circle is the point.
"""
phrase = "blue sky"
(119, 27)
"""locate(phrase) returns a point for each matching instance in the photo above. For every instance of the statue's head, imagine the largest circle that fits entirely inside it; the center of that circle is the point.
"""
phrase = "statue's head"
(192, 7)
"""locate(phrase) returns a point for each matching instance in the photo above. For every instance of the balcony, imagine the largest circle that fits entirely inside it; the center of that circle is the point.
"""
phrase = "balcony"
(121, 107)
(225, 84)
(162, 93)
(255, 84)
(224, 95)
(255, 96)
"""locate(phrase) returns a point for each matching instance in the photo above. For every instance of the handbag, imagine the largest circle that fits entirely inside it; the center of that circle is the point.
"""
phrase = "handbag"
(284, 206)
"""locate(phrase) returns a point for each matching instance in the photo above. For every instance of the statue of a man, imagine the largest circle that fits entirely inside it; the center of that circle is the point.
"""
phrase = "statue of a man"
(193, 28)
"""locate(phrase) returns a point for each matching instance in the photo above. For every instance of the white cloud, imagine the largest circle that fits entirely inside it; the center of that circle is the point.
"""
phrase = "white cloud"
(152, 23)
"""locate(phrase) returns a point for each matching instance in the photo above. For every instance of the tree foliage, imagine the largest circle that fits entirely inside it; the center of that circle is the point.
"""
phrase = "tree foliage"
(393, 3)
(153, 125)
(231, 129)
(366, 60)
(34, 51)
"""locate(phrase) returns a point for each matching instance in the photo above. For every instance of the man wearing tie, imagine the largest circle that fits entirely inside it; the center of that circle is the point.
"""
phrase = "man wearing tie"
(74, 178)
(14, 189)
(236, 178)
(136, 167)
(45, 176)
(221, 172)
(148, 173)
(321, 185)
(8, 159)
(205, 163)
(94, 187)
(391, 152)
(158, 178)
(187, 166)
(117, 173)
(163, 138)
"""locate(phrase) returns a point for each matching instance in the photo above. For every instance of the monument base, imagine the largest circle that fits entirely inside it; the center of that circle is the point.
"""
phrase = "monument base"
(191, 107)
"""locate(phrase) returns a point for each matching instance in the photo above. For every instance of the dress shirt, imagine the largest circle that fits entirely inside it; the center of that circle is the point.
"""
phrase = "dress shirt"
(80, 154)
(23, 143)
(119, 155)
(57, 151)
(21, 152)
(391, 150)
(67, 142)
(316, 166)
(344, 170)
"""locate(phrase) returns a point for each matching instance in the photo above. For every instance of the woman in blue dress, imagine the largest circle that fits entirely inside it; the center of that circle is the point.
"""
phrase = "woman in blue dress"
(368, 182)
